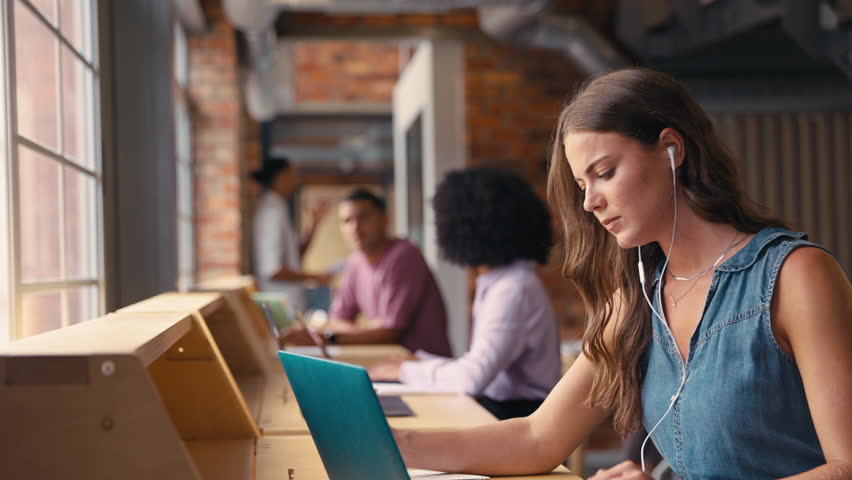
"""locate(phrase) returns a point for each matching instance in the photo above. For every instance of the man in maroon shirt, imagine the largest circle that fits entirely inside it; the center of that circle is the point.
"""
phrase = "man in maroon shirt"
(387, 280)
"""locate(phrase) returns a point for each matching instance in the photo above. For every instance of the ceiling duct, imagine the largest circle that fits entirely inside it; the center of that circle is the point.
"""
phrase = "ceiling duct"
(525, 22)
(255, 18)
(530, 24)
(387, 6)
(746, 37)
(190, 15)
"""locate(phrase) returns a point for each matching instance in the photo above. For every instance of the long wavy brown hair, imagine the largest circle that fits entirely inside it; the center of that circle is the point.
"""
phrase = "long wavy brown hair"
(637, 103)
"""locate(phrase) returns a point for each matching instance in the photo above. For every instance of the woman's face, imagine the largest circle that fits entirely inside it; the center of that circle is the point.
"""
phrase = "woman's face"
(626, 186)
(287, 181)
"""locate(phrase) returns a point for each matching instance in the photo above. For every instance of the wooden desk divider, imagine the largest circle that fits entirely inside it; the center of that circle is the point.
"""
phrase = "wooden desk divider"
(250, 359)
(239, 291)
(128, 395)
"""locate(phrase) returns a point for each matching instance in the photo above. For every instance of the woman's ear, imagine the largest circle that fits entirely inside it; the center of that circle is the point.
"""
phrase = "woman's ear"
(672, 145)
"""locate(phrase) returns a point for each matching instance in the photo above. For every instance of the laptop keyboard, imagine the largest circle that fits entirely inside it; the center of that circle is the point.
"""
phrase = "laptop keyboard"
(395, 406)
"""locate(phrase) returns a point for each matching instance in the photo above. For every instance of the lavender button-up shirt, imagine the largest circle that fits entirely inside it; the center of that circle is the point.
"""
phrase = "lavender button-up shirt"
(515, 349)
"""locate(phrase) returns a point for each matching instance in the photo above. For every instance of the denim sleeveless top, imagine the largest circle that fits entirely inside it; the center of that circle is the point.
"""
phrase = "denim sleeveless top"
(742, 412)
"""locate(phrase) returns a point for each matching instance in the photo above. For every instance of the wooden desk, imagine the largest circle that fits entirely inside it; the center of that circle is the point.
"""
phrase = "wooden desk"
(441, 411)
(364, 355)
(280, 414)
(286, 441)
(276, 454)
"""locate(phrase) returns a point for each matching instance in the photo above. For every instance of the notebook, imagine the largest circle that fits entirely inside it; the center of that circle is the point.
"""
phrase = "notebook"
(347, 423)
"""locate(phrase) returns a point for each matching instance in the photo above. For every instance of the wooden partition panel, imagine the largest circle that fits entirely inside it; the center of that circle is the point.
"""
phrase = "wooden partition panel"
(250, 358)
(238, 291)
(199, 391)
(243, 303)
(88, 429)
(130, 396)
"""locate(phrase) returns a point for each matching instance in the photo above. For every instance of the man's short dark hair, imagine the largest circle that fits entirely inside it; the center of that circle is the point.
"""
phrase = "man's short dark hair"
(490, 216)
(367, 196)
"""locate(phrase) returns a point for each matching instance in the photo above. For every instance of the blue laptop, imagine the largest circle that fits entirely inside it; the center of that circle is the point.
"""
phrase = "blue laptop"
(345, 419)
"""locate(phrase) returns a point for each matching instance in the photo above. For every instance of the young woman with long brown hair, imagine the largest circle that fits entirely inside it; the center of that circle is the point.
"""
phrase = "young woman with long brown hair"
(726, 335)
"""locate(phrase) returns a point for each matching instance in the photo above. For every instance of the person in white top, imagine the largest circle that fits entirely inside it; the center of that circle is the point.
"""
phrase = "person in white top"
(491, 220)
(277, 248)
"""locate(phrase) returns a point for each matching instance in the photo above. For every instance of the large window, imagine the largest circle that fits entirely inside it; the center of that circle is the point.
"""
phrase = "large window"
(183, 154)
(51, 168)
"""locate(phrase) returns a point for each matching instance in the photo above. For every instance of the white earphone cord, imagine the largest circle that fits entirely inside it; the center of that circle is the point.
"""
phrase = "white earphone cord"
(661, 313)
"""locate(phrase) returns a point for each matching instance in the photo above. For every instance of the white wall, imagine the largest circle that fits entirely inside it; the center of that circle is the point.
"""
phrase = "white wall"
(432, 85)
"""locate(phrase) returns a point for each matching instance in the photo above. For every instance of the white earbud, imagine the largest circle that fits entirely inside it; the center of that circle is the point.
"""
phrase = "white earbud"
(672, 150)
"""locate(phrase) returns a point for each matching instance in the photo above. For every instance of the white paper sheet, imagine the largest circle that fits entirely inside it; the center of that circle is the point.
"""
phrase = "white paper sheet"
(419, 474)
(390, 388)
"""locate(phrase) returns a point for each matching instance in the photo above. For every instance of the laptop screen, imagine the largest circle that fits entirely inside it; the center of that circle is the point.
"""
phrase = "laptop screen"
(345, 419)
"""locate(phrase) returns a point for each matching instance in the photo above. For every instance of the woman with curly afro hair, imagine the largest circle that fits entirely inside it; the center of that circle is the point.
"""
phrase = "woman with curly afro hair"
(492, 221)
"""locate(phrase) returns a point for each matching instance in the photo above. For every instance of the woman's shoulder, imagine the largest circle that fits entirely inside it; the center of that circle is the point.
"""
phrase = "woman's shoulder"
(812, 295)
(809, 262)
(810, 275)
(771, 246)
(517, 276)
(795, 254)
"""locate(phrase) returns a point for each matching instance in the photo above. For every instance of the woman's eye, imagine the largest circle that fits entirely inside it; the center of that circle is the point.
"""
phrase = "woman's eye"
(607, 174)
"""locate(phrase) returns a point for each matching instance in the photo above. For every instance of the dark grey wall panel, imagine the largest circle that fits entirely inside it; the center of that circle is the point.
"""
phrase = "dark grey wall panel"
(798, 166)
(139, 157)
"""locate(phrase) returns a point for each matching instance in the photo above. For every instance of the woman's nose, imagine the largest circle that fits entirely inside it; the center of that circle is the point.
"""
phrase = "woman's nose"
(592, 200)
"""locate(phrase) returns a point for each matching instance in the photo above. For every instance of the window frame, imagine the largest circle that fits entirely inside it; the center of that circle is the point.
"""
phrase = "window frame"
(186, 277)
(14, 288)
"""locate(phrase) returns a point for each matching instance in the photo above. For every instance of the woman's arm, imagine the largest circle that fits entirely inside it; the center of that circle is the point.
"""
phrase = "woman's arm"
(812, 316)
(499, 339)
(519, 446)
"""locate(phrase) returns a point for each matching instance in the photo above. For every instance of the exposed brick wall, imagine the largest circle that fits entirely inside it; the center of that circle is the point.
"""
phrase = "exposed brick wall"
(463, 19)
(344, 72)
(513, 96)
(216, 99)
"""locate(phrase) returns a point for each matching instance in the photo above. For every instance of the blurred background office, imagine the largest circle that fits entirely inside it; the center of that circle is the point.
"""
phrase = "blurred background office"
(129, 128)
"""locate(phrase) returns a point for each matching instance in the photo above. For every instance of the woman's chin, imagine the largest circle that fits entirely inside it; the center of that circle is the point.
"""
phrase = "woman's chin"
(625, 240)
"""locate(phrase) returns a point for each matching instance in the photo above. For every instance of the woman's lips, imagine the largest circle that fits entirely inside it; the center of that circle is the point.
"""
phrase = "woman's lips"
(611, 223)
